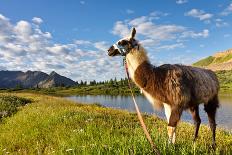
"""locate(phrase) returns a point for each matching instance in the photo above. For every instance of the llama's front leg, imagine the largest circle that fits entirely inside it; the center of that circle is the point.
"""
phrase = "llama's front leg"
(171, 134)
(173, 120)
(171, 130)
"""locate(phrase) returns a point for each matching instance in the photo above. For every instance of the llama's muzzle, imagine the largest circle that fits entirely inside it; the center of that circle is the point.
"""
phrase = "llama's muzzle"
(112, 51)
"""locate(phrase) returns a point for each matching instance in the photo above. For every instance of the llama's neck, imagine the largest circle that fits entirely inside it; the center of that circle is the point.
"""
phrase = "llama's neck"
(134, 59)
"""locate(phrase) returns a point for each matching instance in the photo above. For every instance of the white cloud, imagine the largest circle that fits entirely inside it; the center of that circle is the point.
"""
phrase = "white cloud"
(191, 34)
(24, 46)
(148, 29)
(220, 23)
(82, 2)
(60, 49)
(120, 29)
(158, 14)
(102, 46)
(181, 1)
(227, 35)
(151, 35)
(82, 42)
(200, 14)
(227, 11)
(171, 47)
(37, 20)
(23, 28)
(3, 18)
(129, 11)
(2, 68)
(202, 45)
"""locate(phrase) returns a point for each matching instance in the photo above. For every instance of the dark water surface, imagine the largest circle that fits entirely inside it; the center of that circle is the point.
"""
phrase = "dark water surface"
(224, 113)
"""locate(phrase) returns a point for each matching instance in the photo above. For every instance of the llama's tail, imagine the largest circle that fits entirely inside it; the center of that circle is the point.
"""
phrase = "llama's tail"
(213, 104)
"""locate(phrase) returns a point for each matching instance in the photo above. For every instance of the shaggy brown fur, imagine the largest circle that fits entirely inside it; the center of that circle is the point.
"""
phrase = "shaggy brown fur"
(177, 85)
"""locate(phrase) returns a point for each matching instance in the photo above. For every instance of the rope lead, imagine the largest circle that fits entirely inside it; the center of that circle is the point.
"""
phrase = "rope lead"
(156, 151)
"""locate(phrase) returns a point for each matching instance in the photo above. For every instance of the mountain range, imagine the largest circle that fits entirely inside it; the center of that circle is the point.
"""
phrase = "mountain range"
(33, 79)
(219, 61)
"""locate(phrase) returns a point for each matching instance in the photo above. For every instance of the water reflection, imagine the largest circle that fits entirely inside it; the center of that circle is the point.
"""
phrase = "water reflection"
(224, 114)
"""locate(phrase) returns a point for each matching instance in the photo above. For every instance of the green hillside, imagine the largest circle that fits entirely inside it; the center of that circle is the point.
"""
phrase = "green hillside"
(221, 63)
(204, 62)
(211, 60)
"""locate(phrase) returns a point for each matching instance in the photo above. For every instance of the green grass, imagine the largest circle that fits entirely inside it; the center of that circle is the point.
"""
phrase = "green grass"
(225, 80)
(101, 89)
(224, 77)
(52, 125)
(204, 62)
(222, 59)
(97, 90)
(213, 60)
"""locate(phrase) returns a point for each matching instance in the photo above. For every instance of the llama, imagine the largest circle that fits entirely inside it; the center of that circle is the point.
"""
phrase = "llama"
(174, 87)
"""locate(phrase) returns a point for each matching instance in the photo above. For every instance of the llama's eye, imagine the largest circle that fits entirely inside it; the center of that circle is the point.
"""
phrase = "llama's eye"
(123, 43)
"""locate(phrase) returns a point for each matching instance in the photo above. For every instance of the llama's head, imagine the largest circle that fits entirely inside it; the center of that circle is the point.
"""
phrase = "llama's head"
(124, 46)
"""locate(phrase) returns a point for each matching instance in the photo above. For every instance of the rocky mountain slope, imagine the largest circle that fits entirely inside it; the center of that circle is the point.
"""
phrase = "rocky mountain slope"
(32, 79)
(219, 61)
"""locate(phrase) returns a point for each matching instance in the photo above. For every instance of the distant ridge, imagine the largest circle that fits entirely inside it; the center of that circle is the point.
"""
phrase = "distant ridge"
(219, 61)
(33, 79)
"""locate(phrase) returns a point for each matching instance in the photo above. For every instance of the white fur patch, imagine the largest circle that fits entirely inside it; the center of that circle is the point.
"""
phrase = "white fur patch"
(132, 65)
(135, 58)
(149, 97)
(167, 110)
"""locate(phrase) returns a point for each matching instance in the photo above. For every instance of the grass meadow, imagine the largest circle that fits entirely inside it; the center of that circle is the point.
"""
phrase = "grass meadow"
(52, 125)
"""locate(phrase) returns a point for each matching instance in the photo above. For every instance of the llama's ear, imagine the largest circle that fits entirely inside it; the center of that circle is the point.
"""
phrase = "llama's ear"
(133, 32)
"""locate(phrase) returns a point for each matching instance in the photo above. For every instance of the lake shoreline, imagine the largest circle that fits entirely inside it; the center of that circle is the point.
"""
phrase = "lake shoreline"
(125, 103)
(60, 93)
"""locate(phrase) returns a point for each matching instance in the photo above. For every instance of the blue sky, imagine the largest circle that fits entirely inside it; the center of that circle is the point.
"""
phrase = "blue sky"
(71, 37)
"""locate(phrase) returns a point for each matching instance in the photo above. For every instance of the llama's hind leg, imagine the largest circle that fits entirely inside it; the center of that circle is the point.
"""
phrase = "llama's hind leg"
(197, 120)
(173, 120)
(211, 108)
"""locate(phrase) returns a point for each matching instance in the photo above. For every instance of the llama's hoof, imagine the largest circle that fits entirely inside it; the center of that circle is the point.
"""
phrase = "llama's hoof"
(213, 146)
(170, 142)
(194, 140)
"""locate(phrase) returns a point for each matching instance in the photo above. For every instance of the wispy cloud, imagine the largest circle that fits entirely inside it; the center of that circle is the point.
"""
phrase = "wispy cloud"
(227, 35)
(147, 28)
(157, 36)
(82, 42)
(181, 1)
(37, 20)
(200, 14)
(220, 23)
(120, 29)
(82, 2)
(192, 34)
(227, 11)
(171, 46)
(129, 11)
